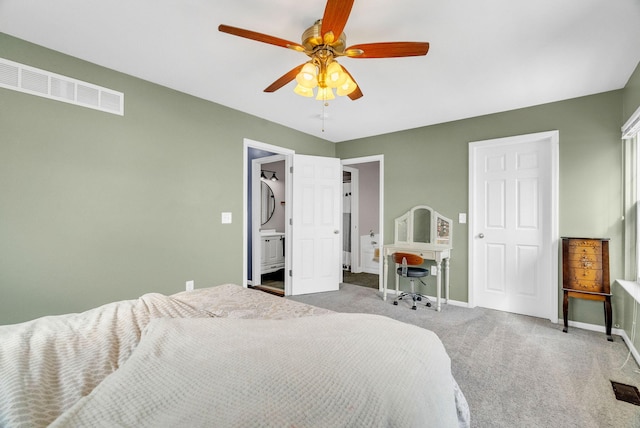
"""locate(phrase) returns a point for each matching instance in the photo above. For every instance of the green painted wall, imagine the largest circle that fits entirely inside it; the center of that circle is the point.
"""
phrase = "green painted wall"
(430, 166)
(97, 207)
(631, 95)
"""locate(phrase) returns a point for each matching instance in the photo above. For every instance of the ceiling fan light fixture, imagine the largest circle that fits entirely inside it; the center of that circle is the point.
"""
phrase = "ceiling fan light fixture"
(302, 91)
(336, 76)
(308, 76)
(347, 87)
(324, 41)
(325, 94)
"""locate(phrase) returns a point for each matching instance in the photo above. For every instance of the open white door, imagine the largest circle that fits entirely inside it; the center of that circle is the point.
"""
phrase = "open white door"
(316, 235)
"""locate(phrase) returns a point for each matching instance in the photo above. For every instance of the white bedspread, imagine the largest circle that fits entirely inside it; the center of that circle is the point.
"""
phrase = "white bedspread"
(335, 370)
(48, 364)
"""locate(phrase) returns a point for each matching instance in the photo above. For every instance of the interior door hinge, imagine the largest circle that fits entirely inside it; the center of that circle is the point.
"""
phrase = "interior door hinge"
(290, 272)
(291, 169)
(291, 221)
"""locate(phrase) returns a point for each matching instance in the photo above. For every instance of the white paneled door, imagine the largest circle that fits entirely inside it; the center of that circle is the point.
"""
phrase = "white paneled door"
(316, 213)
(512, 225)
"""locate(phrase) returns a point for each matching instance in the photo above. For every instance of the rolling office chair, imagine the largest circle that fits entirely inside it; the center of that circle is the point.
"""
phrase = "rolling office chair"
(410, 270)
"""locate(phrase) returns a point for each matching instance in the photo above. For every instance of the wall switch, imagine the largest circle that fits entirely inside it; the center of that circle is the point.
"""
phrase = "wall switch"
(189, 285)
(462, 218)
(226, 218)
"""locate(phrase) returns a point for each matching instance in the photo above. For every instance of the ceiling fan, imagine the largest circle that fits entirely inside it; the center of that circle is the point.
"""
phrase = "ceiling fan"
(323, 42)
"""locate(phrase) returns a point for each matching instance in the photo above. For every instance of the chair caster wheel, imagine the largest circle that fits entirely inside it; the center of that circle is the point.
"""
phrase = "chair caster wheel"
(429, 304)
(419, 299)
(414, 307)
(395, 303)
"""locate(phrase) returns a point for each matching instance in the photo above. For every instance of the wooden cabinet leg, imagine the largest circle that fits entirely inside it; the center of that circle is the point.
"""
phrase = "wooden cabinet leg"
(608, 317)
(565, 311)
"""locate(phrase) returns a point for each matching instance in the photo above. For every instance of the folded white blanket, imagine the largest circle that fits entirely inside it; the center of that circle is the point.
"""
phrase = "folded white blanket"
(335, 370)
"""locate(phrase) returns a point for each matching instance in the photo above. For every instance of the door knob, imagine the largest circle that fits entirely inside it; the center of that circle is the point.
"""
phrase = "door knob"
(481, 236)
(336, 232)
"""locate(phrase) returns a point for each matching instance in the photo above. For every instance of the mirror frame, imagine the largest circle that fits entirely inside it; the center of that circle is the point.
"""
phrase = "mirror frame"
(440, 229)
(267, 203)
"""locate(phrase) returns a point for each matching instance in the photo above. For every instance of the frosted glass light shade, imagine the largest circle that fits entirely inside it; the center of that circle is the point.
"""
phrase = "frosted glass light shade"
(347, 87)
(335, 75)
(325, 94)
(308, 76)
(301, 90)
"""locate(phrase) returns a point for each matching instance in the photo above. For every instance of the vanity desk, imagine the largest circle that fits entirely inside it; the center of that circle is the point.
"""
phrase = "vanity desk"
(424, 232)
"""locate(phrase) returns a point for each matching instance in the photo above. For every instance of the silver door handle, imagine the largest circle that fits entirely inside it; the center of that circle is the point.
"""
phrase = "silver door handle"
(481, 236)
(336, 232)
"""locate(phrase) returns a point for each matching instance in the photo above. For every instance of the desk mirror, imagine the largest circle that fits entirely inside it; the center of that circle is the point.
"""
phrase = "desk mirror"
(422, 226)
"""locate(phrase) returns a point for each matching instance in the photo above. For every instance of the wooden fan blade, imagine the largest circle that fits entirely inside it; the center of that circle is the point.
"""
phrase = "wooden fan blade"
(336, 13)
(357, 93)
(390, 49)
(286, 78)
(264, 38)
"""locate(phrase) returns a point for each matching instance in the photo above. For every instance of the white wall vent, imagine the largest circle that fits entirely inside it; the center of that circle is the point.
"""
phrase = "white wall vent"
(23, 78)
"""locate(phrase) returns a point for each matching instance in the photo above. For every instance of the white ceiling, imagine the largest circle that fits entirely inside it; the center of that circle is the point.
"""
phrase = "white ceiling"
(485, 56)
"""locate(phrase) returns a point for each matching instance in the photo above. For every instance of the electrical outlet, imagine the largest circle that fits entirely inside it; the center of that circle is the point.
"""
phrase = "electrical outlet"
(190, 285)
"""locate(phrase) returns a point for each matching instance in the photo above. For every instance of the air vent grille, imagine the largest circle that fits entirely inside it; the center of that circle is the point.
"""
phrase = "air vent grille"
(23, 78)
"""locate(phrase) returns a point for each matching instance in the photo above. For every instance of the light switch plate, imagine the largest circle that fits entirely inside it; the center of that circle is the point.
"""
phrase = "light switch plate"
(462, 218)
(226, 218)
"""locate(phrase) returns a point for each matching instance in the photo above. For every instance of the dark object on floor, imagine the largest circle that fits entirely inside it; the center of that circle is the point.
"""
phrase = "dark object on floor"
(363, 279)
(626, 393)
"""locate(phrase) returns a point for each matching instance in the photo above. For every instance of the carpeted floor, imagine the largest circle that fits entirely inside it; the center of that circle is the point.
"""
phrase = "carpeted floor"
(515, 371)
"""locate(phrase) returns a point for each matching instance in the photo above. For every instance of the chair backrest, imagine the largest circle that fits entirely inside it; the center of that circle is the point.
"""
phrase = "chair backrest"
(411, 259)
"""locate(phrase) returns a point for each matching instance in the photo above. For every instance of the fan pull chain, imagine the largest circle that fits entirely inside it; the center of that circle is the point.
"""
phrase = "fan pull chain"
(324, 104)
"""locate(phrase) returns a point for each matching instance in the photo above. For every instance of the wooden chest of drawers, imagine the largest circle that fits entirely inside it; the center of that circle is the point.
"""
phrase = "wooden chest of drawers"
(585, 265)
(585, 274)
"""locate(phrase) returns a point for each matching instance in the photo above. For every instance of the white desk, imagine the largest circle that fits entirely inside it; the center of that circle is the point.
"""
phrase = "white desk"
(437, 253)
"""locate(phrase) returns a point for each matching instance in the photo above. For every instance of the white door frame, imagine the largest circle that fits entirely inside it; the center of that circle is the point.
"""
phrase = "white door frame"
(246, 221)
(256, 249)
(380, 160)
(552, 280)
(355, 242)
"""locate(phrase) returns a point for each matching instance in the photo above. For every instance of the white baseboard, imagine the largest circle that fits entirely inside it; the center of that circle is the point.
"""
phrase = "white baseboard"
(601, 329)
(629, 344)
(576, 324)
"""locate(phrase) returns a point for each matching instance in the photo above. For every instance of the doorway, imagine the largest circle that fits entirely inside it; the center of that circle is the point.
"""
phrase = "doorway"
(269, 224)
(255, 154)
(513, 235)
(312, 196)
(362, 224)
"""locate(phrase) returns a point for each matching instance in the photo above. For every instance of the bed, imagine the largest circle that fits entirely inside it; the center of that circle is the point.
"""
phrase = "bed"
(224, 356)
